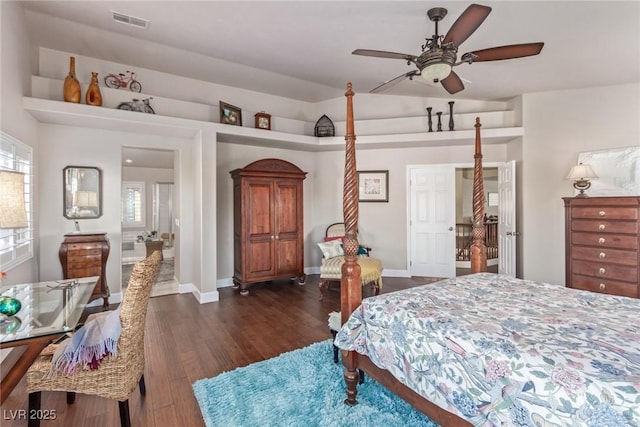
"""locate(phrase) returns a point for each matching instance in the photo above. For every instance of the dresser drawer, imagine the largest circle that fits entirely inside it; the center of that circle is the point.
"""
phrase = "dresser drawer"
(88, 252)
(603, 226)
(605, 255)
(604, 212)
(84, 264)
(603, 270)
(84, 246)
(605, 286)
(605, 240)
(83, 272)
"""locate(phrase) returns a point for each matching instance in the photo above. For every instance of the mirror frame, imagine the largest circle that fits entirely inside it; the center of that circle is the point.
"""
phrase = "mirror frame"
(69, 209)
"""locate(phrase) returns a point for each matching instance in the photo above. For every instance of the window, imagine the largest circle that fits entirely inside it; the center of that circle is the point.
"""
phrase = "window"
(16, 244)
(133, 204)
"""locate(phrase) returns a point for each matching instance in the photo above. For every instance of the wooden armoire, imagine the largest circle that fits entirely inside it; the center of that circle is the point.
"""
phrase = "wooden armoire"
(268, 234)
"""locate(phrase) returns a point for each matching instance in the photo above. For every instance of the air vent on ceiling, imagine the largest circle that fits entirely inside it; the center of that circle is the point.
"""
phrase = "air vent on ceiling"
(130, 20)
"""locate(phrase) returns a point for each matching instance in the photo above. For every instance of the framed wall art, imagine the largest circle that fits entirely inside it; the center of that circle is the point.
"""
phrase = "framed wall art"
(373, 186)
(618, 171)
(263, 120)
(230, 115)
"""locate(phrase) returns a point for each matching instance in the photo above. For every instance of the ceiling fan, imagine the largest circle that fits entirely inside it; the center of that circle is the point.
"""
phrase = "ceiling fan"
(440, 53)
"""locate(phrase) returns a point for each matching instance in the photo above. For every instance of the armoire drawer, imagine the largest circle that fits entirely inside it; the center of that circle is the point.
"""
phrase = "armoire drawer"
(590, 225)
(606, 286)
(608, 255)
(605, 271)
(605, 240)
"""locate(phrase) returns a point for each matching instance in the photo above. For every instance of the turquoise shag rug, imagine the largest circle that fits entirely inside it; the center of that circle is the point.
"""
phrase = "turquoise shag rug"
(299, 388)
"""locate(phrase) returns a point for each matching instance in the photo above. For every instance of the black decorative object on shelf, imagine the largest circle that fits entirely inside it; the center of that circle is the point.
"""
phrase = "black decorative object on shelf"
(439, 113)
(430, 122)
(451, 115)
(324, 127)
(141, 105)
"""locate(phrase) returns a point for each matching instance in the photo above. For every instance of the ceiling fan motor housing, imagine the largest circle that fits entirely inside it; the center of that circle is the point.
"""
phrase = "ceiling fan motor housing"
(445, 55)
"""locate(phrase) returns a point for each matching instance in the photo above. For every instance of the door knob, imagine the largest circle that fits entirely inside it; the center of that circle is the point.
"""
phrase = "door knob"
(450, 228)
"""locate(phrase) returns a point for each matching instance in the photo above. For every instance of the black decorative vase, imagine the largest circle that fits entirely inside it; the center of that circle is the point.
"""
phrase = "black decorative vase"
(451, 115)
(439, 113)
(430, 122)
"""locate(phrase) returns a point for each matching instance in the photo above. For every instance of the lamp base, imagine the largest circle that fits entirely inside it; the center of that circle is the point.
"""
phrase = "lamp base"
(581, 185)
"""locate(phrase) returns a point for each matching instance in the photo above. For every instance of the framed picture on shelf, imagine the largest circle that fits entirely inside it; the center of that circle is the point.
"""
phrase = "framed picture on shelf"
(373, 186)
(263, 120)
(230, 115)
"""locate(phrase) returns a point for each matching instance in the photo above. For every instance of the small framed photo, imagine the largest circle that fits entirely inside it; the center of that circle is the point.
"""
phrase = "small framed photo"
(373, 186)
(230, 115)
(263, 120)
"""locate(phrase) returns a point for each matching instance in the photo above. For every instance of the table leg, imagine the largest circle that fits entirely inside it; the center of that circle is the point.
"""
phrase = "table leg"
(15, 374)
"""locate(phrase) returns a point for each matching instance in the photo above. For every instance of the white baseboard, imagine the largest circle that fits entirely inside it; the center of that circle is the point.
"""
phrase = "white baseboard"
(224, 283)
(395, 273)
(203, 298)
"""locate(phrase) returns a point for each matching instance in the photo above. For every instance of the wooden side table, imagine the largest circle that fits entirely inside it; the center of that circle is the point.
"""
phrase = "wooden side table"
(84, 254)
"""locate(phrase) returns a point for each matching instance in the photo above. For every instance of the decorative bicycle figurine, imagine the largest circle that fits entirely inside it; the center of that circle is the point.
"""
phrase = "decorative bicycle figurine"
(141, 105)
(123, 80)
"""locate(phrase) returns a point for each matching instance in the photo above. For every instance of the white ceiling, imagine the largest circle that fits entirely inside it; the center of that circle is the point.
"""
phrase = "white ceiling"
(302, 49)
(147, 158)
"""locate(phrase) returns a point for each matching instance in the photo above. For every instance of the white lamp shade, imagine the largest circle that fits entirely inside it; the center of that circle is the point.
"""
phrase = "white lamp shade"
(436, 72)
(580, 172)
(12, 209)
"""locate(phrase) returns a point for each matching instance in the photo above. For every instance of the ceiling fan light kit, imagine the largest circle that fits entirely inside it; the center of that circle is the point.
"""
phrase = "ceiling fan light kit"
(440, 53)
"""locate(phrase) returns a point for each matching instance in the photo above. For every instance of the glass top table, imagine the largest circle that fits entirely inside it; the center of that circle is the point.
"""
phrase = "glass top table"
(48, 308)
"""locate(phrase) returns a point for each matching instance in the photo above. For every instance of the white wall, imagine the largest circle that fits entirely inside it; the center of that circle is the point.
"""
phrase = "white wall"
(66, 145)
(15, 77)
(559, 125)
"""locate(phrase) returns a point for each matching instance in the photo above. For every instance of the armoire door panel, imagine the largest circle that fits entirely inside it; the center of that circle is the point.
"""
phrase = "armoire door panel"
(288, 256)
(287, 205)
(260, 257)
(260, 207)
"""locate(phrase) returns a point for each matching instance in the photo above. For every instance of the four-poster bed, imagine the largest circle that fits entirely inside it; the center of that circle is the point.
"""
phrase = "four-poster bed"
(488, 349)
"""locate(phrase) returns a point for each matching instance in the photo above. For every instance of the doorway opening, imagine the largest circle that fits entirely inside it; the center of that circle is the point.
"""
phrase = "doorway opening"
(148, 202)
(440, 199)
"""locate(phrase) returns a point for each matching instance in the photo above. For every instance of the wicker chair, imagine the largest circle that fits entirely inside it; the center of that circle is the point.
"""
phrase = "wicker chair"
(331, 268)
(117, 376)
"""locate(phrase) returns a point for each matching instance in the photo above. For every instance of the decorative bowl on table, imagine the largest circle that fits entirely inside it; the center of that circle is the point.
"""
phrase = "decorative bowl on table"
(9, 306)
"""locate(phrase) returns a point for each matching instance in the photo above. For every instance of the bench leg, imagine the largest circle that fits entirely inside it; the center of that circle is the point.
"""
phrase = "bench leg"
(335, 349)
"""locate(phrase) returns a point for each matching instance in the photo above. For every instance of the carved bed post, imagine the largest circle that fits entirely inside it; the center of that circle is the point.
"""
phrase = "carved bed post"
(478, 245)
(350, 285)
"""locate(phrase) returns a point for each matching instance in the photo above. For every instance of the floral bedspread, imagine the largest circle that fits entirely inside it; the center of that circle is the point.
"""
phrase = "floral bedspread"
(500, 351)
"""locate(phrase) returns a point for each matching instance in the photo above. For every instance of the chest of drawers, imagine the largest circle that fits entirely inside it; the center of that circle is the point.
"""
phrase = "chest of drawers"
(85, 254)
(602, 242)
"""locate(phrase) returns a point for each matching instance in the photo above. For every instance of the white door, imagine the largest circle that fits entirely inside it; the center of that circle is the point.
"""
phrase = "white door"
(432, 221)
(507, 218)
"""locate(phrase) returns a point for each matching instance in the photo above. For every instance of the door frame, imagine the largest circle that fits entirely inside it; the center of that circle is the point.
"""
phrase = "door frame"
(409, 168)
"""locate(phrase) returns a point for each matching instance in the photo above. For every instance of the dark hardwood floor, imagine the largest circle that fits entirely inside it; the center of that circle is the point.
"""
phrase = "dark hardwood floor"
(186, 341)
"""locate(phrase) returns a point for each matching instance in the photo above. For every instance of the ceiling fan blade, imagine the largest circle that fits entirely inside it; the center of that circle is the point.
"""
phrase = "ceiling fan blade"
(453, 83)
(466, 24)
(394, 81)
(504, 52)
(384, 54)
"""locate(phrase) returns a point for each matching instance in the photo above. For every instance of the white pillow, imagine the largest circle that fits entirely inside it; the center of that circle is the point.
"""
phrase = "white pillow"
(332, 248)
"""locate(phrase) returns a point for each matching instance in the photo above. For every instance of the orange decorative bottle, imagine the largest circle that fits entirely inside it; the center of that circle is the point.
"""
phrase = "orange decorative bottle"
(71, 88)
(93, 95)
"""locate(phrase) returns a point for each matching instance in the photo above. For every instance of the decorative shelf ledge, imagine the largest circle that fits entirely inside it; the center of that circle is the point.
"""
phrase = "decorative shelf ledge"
(82, 115)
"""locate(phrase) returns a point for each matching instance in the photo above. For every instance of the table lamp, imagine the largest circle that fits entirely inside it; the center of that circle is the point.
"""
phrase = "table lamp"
(580, 174)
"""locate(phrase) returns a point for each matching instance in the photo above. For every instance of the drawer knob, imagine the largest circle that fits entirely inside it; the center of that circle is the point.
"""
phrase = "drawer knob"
(601, 227)
(602, 286)
(601, 270)
(602, 255)
(602, 240)
(601, 213)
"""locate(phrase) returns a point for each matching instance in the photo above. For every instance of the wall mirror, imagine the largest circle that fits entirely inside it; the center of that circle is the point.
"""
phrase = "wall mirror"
(82, 192)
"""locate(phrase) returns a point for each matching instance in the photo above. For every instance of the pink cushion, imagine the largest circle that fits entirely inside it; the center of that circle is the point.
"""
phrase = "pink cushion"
(328, 239)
